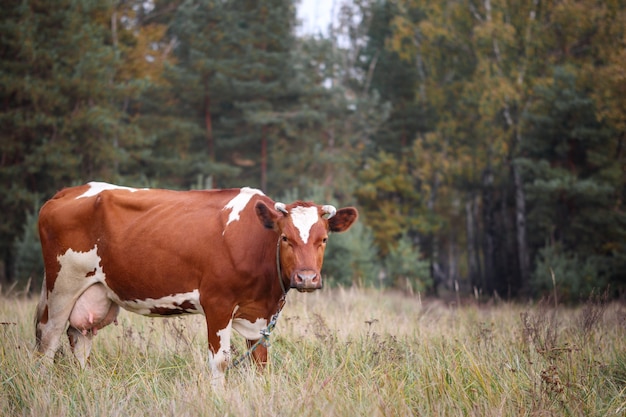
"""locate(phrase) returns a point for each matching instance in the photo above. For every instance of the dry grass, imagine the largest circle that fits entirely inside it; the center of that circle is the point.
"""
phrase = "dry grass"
(337, 353)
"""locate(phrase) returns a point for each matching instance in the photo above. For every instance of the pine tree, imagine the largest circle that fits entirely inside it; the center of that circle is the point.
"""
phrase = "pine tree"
(233, 86)
(264, 92)
(332, 125)
(573, 191)
(394, 78)
(60, 115)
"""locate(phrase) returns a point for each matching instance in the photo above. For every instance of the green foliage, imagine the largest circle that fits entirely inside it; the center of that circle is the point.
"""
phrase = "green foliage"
(482, 68)
(477, 130)
(405, 268)
(398, 195)
(389, 199)
(572, 177)
(351, 257)
(63, 96)
(27, 252)
(575, 279)
(393, 78)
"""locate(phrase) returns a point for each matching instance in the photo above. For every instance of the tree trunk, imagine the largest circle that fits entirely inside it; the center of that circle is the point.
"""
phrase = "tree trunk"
(520, 223)
(209, 127)
(473, 246)
(208, 122)
(489, 241)
(264, 159)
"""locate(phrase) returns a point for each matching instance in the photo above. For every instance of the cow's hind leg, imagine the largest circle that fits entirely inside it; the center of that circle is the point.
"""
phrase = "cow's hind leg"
(80, 342)
(53, 311)
(41, 315)
(51, 324)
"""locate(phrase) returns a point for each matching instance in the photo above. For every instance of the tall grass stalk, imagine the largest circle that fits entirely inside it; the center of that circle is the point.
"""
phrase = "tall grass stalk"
(335, 353)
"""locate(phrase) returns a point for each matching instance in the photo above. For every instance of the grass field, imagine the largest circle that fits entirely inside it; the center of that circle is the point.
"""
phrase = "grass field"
(337, 353)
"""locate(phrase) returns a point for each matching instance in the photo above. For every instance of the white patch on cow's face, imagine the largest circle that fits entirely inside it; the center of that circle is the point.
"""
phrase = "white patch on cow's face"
(237, 204)
(169, 302)
(249, 330)
(303, 219)
(96, 188)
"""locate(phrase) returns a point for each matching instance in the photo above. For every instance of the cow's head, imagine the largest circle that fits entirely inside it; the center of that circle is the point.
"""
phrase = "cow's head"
(303, 229)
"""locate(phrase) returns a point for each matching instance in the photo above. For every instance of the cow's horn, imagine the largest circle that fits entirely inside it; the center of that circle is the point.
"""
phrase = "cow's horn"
(329, 211)
(281, 207)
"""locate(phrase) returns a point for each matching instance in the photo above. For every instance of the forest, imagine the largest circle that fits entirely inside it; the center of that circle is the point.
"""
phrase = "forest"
(481, 140)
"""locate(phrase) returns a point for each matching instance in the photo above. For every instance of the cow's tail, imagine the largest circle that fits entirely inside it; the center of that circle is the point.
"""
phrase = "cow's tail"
(42, 308)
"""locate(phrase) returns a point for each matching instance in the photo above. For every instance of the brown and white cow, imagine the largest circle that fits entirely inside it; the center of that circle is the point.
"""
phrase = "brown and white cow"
(227, 254)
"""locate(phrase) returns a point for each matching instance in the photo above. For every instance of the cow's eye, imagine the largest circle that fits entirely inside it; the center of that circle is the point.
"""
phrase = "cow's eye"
(284, 238)
(325, 240)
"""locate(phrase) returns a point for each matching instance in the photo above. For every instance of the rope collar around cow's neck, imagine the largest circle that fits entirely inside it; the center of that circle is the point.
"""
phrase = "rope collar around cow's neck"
(265, 333)
(279, 269)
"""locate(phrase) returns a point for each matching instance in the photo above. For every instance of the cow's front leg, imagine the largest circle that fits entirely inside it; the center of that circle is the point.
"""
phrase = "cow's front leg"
(219, 350)
(259, 354)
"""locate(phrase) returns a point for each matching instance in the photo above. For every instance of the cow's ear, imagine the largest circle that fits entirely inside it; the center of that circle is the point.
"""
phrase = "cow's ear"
(266, 215)
(344, 218)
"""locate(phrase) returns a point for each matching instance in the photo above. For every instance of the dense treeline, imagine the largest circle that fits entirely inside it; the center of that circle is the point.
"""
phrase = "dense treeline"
(481, 140)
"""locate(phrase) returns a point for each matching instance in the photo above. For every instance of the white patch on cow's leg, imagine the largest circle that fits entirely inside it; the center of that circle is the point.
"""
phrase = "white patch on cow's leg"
(218, 361)
(81, 344)
(237, 204)
(303, 219)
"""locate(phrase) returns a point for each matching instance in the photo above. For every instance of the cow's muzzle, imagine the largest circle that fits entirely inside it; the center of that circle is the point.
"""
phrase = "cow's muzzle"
(306, 280)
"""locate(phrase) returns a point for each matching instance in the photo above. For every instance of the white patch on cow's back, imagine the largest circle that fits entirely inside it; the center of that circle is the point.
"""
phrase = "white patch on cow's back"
(249, 330)
(303, 219)
(168, 302)
(237, 204)
(96, 188)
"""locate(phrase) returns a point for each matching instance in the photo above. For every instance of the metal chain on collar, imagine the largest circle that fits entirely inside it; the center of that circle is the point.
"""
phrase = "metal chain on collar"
(265, 333)
(265, 337)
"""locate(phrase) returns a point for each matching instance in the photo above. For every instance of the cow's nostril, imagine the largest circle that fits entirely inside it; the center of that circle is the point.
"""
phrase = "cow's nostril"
(306, 280)
(306, 277)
